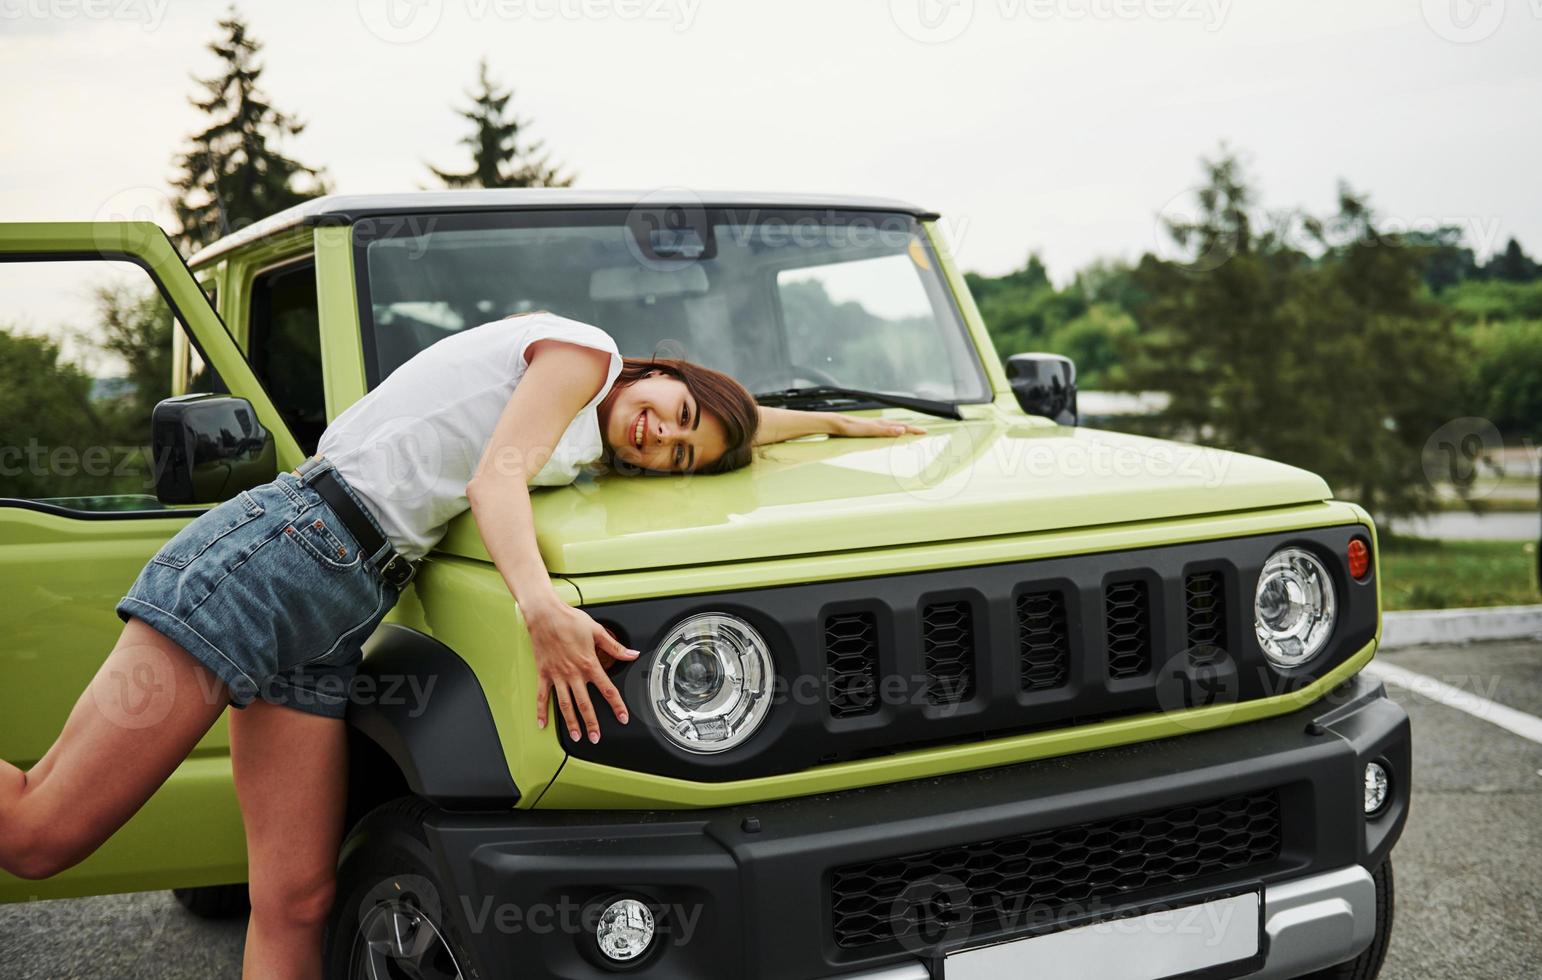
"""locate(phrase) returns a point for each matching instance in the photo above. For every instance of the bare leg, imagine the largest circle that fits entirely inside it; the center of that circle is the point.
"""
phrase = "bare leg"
(147, 706)
(291, 778)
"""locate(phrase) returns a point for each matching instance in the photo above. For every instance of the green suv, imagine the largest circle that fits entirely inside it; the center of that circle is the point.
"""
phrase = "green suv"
(1011, 697)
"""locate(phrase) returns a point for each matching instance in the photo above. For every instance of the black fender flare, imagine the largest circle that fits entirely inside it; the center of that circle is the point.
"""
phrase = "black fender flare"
(429, 715)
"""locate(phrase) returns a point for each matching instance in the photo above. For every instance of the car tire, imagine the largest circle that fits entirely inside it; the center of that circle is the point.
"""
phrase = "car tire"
(392, 916)
(215, 901)
(1368, 964)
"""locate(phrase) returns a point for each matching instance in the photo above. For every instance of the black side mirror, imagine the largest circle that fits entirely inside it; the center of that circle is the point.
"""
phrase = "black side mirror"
(208, 448)
(1045, 384)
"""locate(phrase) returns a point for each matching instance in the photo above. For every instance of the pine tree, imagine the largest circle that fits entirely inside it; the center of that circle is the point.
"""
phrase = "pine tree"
(233, 174)
(497, 157)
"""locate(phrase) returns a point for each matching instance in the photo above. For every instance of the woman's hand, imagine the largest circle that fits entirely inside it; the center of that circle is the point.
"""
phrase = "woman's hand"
(781, 424)
(569, 648)
(858, 425)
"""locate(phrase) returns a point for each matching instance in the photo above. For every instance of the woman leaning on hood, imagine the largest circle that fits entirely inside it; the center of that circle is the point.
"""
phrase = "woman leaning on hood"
(263, 602)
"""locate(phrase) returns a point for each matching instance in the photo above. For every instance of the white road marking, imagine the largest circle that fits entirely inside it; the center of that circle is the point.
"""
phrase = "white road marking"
(1511, 720)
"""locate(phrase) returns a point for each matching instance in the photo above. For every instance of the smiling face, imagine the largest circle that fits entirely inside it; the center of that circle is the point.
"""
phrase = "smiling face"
(656, 424)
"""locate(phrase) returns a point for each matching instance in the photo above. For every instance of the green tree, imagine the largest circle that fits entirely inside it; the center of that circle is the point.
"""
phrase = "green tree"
(499, 158)
(233, 174)
(48, 420)
(1449, 262)
(1097, 341)
(1512, 265)
(1337, 361)
(135, 326)
(1504, 384)
(1023, 308)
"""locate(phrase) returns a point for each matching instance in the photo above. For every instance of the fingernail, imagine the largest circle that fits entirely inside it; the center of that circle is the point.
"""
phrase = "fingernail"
(594, 738)
(540, 723)
(624, 717)
(573, 734)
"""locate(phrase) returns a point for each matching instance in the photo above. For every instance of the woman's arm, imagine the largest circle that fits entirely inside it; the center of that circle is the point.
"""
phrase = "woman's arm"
(781, 424)
(559, 382)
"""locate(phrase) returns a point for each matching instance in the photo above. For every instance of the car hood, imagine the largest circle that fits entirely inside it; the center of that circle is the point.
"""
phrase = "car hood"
(968, 479)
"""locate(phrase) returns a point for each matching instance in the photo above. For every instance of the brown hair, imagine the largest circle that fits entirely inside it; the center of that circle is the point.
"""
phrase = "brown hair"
(714, 392)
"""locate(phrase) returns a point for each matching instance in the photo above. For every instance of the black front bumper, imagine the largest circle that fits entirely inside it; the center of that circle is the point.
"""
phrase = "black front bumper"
(750, 891)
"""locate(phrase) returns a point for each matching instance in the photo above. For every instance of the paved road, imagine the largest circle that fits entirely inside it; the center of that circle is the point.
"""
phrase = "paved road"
(1468, 884)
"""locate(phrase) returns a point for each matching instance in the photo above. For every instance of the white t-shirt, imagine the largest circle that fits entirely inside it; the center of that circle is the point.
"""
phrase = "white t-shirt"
(410, 446)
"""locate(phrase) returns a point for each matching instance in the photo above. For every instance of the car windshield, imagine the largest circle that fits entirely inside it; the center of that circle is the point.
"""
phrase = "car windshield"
(778, 299)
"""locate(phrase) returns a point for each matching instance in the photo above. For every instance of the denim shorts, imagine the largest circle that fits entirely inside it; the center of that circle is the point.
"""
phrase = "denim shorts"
(269, 591)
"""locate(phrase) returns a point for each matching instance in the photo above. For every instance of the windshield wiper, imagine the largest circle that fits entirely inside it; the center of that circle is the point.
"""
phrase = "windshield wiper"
(828, 393)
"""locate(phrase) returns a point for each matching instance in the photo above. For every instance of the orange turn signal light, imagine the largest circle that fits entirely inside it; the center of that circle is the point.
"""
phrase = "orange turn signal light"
(1359, 558)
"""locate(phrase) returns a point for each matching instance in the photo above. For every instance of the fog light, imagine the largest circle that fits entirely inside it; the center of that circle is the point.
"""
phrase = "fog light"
(625, 931)
(1377, 788)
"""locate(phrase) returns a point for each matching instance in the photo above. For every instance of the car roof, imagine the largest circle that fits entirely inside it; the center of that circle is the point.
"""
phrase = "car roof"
(349, 208)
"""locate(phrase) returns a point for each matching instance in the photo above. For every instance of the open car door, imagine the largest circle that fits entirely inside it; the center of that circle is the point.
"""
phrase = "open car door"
(79, 517)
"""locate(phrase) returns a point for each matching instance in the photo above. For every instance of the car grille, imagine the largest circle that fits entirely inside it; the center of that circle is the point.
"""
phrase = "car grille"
(975, 888)
(1043, 642)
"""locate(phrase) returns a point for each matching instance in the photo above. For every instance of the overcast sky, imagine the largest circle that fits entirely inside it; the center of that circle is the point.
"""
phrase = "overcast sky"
(1058, 126)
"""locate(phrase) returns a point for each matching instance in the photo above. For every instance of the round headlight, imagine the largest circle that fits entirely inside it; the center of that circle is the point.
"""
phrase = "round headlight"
(711, 682)
(1294, 607)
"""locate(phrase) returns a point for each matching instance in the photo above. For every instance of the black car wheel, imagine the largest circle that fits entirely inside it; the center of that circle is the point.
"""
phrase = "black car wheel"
(391, 919)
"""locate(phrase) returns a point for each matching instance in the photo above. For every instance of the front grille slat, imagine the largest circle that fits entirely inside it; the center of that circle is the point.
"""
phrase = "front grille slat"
(851, 664)
(1127, 606)
(947, 642)
(1043, 641)
(1204, 599)
(971, 887)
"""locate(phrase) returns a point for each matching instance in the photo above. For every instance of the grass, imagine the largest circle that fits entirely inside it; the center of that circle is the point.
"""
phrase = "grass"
(1420, 573)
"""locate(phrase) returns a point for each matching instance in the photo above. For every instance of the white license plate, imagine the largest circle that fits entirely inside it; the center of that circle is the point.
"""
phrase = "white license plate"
(1143, 947)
